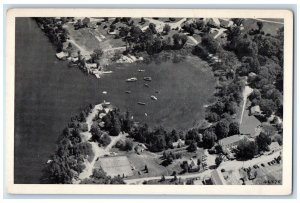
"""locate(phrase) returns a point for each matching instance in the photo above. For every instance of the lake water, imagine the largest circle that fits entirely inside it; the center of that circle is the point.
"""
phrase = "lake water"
(48, 93)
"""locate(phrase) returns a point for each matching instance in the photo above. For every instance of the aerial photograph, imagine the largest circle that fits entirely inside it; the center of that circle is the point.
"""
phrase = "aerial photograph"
(148, 100)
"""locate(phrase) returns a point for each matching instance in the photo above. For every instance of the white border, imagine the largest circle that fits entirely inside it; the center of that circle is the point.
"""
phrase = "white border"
(283, 189)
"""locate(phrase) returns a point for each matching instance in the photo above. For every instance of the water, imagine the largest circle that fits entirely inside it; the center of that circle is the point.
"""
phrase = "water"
(48, 93)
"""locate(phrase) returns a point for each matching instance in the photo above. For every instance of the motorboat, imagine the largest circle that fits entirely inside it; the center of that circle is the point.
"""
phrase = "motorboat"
(147, 78)
(131, 79)
(153, 97)
(141, 103)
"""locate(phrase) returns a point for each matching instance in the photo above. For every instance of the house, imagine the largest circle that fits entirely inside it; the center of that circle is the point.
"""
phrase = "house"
(217, 178)
(139, 148)
(230, 142)
(178, 144)
(193, 163)
(62, 55)
(255, 110)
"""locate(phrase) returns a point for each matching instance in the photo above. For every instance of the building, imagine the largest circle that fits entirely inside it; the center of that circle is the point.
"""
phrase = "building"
(139, 148)
(230, 142)
(217, 178)
(178, 144)
(255, 110)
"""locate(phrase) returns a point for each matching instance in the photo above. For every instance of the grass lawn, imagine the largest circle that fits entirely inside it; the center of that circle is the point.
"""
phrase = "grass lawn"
(268, 27)
(151, 160)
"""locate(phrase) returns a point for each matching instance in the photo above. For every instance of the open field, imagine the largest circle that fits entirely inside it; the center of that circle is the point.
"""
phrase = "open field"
(268, 27)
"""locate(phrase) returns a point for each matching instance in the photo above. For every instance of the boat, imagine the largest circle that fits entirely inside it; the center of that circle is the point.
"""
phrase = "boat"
(146, 114)
(97, 75)
(147, 78)
(153, 97)
(140, 70)
(146, 85)
(106, 72)
(128, 92)
(104, 92)
(141, 103)
(105, 104)
(131, 79)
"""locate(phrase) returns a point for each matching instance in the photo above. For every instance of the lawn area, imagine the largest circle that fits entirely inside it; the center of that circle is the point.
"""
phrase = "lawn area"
(146, 158)
(268, 27)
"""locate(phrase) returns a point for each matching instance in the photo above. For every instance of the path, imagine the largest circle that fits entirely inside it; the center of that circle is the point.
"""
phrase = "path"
(83, 51)
(115, 48)
(220, 32)
(98, 151)
(193, 39)
(247, 91)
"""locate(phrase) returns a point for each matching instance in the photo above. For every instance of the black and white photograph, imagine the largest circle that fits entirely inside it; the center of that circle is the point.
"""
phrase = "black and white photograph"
(143, 100)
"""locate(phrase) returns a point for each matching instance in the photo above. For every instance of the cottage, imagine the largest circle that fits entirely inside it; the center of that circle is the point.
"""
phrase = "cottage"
(62, 55)
(178, 144)
(139, 148)
(255, 110)
(193, 163)
(230, 142)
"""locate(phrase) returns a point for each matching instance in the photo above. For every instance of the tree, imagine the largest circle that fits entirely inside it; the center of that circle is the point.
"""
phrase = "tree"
(167, 28)
(246, 149)
(96, 132)
(86, 21)
(192, 147)
(238, 21)
(263, 140)
(116, 127)
(128, 145)
(218, 160)
(259, 25)
(234, 128)
(105, 139)
(112, 27)
(209, 139)
(222, 129)
(152, 27)
(96, 54)
(267, 106)
(212, 117)
(210, 43)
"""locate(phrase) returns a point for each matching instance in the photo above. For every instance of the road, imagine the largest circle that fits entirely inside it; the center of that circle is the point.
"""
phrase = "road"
(247, 91)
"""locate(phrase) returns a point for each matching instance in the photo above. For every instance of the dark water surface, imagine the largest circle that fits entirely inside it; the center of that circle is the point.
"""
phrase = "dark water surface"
(48, 93)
